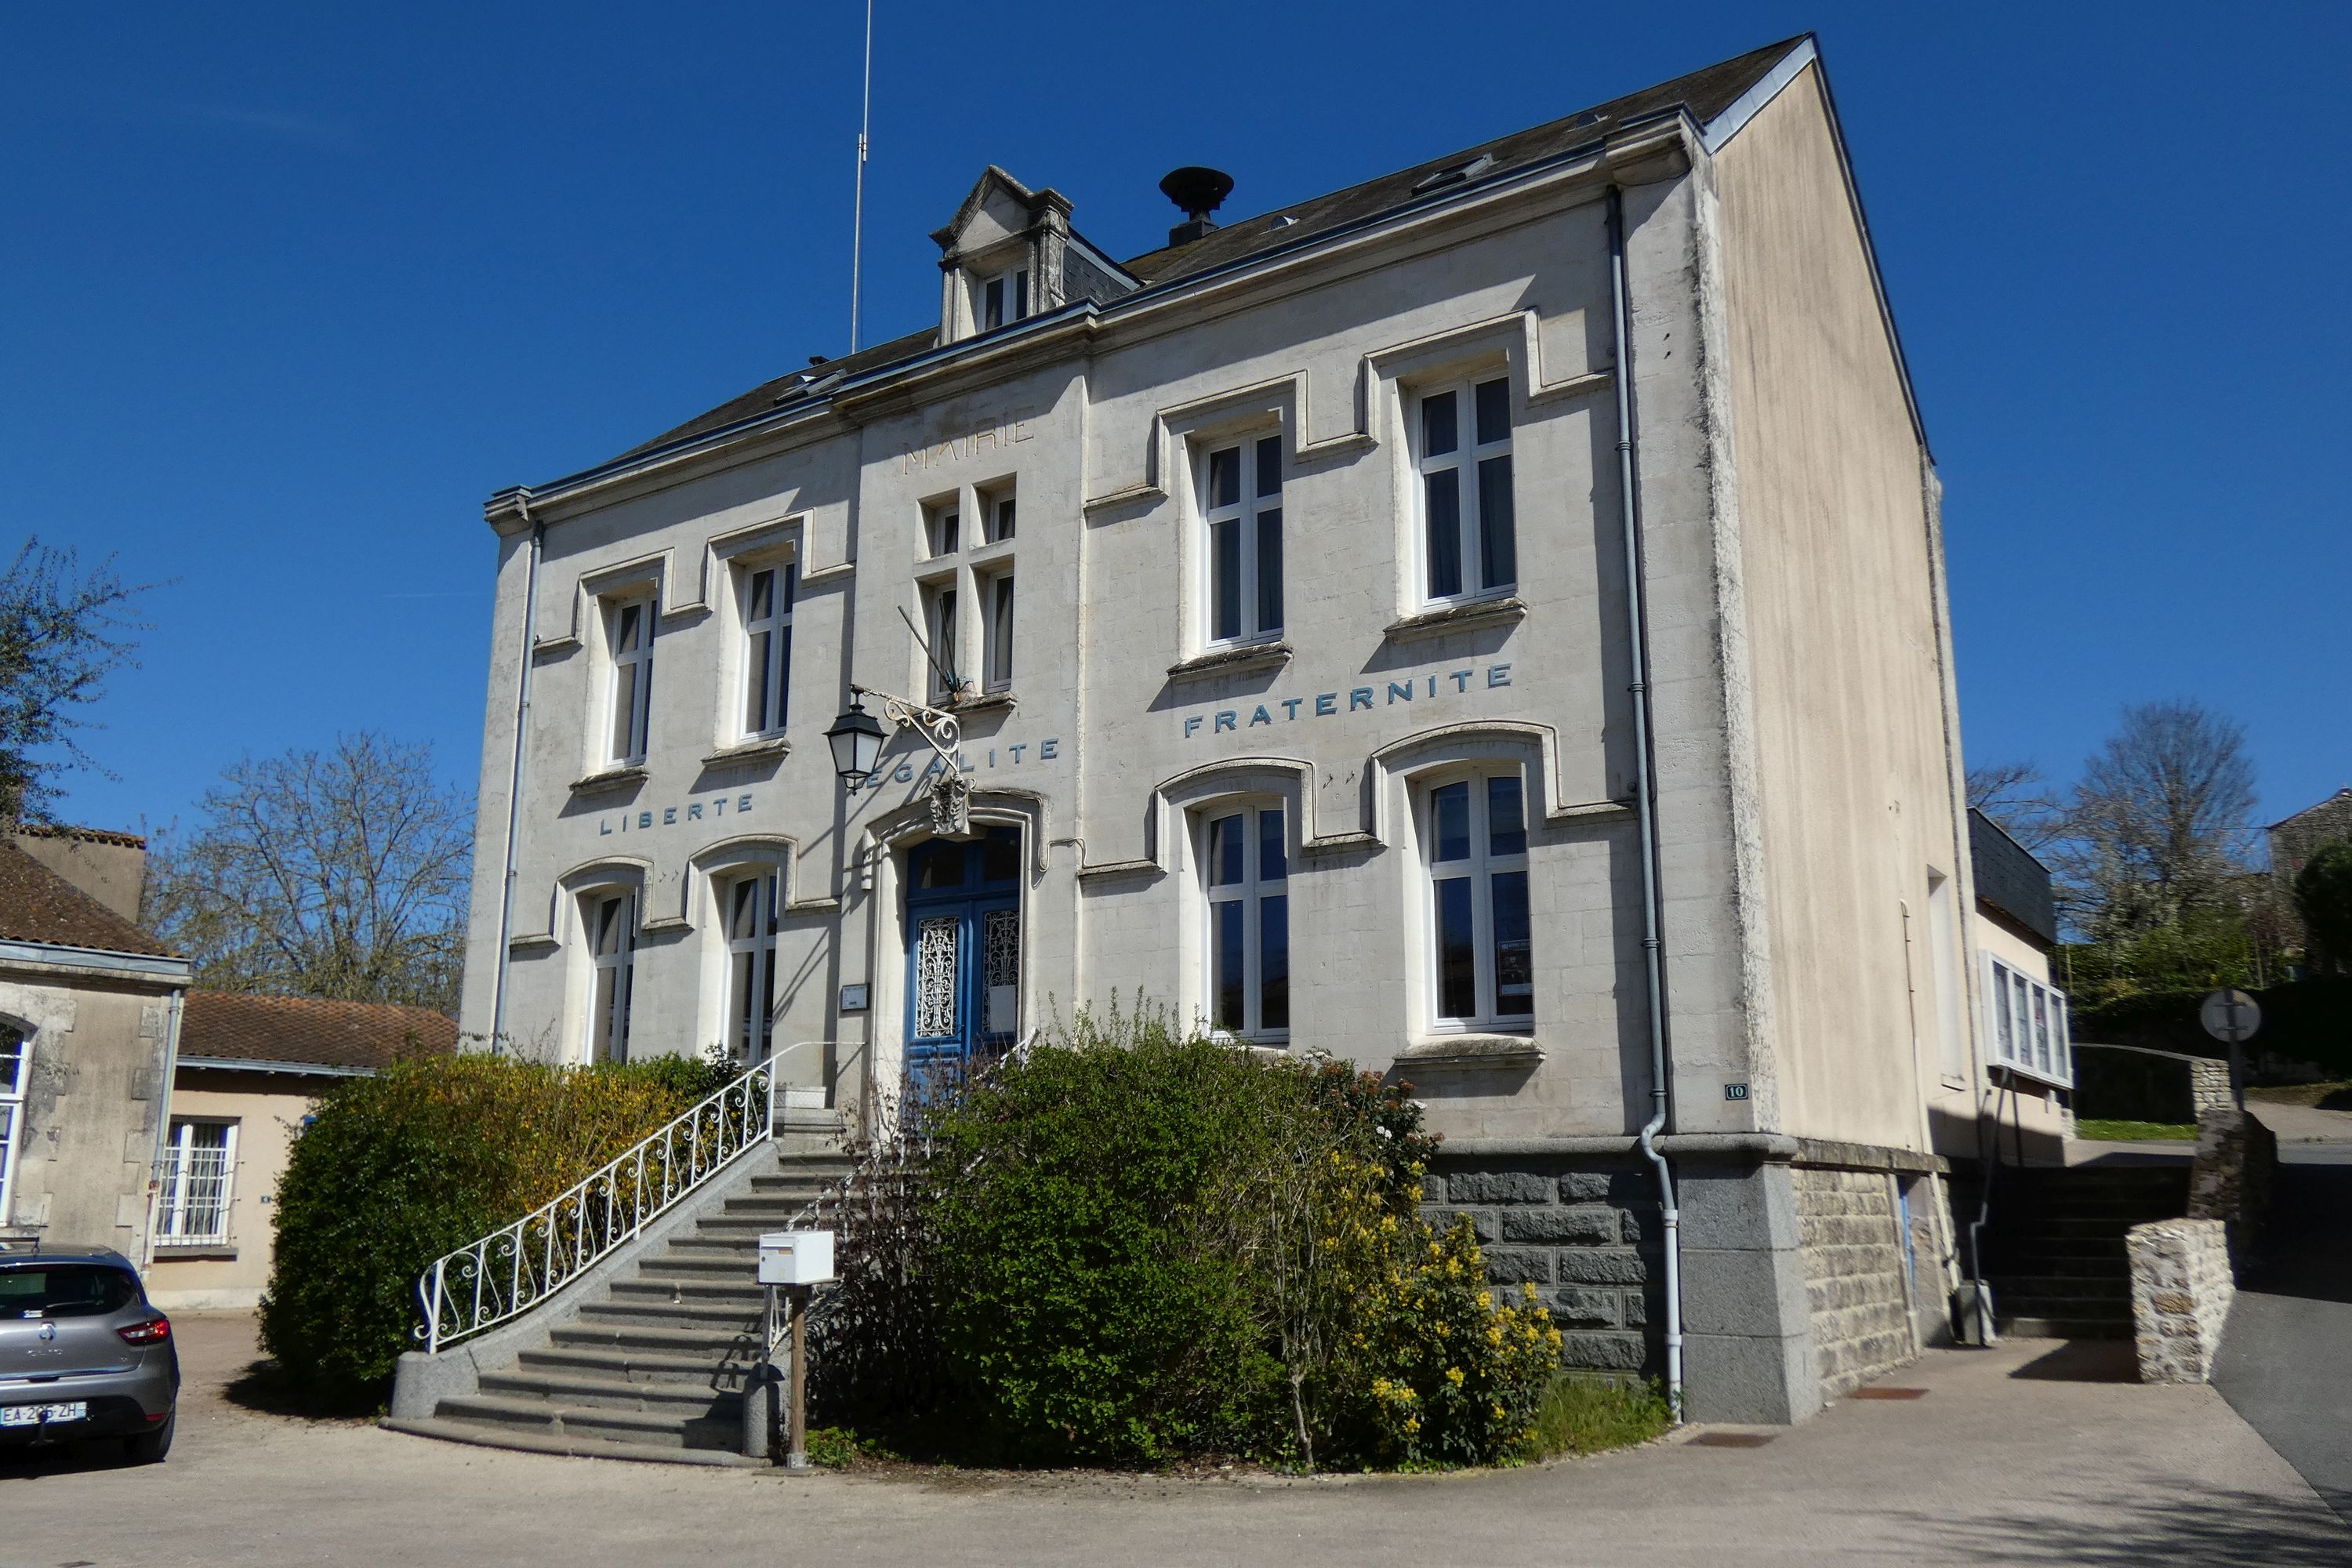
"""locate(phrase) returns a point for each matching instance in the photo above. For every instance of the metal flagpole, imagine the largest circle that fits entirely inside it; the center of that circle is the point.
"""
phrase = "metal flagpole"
(858, 222)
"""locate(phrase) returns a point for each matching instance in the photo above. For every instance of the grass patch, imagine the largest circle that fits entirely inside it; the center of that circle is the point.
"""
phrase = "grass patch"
(2108, 1132)
(1587, 1416)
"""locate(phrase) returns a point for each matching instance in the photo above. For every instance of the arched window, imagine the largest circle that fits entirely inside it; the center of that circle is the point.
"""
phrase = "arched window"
(749, 902)
(1246, 874)
(1474, 834)
(610, 918)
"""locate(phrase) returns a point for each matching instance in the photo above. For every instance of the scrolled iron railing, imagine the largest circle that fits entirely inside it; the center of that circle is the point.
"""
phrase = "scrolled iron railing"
(514, 1269)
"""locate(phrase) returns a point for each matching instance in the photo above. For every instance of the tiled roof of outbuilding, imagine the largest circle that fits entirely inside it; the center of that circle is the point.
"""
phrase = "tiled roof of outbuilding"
(37, 905)
(231, 1025)
(87, 835)
(1706, 93)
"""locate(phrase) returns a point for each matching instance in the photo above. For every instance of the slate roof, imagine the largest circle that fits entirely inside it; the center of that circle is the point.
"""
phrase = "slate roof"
(38, 905)
(230, 1026)
(1706, 93)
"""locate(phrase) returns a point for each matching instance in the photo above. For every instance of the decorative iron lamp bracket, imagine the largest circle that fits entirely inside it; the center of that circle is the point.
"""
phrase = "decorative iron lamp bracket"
(950, 798)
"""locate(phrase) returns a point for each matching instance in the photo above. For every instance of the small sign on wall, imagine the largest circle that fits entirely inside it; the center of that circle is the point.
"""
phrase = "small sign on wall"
(1735, 1091)
(853, 998)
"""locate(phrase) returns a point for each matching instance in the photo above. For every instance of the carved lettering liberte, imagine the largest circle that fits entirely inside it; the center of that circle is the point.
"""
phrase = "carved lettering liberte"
(956, 448)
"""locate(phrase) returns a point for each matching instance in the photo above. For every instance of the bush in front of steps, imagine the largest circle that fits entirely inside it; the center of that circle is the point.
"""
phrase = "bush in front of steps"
(1139, 1245)
(395, 1169)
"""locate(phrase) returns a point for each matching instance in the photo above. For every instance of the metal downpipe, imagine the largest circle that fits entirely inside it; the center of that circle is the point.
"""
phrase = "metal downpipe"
(1645, 790)
(514, 778)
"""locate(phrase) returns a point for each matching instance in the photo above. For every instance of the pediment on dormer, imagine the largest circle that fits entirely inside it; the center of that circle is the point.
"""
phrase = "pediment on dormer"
(999, 209)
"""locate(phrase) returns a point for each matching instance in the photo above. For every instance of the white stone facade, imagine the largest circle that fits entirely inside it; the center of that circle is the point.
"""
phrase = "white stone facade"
(1806, 744)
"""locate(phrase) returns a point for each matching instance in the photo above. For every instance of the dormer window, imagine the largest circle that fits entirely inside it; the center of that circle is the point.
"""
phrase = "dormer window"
(1005, 298)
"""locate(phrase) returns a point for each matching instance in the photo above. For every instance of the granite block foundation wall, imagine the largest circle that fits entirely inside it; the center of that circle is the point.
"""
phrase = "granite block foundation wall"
(1798, 1279)
(1856, 1291)
(1584, 1234)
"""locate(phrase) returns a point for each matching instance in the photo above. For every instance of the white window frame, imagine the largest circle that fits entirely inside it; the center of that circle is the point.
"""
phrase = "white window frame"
(1464, 461)
(751, 957)
(768, 667)
(629, 721)
(1000, 518)
(2028, 1040)
(1479, 868)
(1251, 893)
(943, 628)
(609, 1002)
(173, 1201)
(998, 606)
(1009, 306)
(1247, 513)
(12, 1090)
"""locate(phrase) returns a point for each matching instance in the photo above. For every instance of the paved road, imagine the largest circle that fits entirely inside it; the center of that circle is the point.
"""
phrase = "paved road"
(2286, 1360)
(2029, 1454)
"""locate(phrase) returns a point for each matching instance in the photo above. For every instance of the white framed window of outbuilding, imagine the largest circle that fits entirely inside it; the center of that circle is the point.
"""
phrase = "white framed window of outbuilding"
(2027, 1022)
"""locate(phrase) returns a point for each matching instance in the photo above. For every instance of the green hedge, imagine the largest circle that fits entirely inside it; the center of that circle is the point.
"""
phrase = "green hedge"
(397, 1169)
(2304, 1021)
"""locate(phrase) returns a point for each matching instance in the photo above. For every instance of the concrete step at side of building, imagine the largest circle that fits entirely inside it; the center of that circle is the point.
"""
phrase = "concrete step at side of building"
(662, 1338)
(713, 1264)
(2064, 1327)
(2101, 1286)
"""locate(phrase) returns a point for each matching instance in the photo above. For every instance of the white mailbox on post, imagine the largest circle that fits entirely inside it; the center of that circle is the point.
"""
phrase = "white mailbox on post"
(796, 1257)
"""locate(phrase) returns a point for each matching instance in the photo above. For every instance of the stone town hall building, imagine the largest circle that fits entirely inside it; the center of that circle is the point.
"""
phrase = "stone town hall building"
(1278, 578)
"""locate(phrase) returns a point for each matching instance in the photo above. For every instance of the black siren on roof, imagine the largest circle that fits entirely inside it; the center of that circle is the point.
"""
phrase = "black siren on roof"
(1199, 192)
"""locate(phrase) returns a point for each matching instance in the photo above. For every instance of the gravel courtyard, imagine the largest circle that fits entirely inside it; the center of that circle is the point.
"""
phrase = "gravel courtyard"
(2031, 1453)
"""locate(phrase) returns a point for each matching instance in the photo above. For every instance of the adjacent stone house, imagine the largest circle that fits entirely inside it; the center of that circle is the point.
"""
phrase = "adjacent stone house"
(250, 1070)
(90, 1015)
(1487, 624)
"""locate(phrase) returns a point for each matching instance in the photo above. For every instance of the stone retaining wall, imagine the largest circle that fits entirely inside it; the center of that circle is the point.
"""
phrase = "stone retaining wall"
(2236, 1159)
(2181, 1290)
(1850, 1238)
(1585, 1234)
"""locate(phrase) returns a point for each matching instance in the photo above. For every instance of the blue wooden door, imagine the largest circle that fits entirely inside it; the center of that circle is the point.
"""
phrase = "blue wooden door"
(964, 957)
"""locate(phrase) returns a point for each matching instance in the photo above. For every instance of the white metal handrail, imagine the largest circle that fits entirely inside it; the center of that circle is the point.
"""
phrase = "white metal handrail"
(516, 1267)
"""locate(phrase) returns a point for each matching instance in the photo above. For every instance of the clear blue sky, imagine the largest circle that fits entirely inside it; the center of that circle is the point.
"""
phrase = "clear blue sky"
(290, 289)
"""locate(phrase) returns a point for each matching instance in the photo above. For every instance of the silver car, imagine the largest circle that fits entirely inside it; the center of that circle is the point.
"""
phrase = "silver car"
(82, 1355)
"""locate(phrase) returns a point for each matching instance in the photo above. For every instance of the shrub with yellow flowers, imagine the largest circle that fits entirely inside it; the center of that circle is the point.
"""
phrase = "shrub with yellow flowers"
(1449, 1375)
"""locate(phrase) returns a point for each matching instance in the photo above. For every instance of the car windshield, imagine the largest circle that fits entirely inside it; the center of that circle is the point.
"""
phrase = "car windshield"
(65, 1290)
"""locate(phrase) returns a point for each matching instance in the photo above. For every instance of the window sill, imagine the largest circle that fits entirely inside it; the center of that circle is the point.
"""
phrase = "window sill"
(986, 702)
(1474, 617)
(1472, 1051)
(1243, 660)
(766, 749)
(611, 781)
(189, 1252)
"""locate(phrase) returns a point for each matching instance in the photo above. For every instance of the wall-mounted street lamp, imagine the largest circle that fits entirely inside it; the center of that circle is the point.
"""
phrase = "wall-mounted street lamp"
(857, 741)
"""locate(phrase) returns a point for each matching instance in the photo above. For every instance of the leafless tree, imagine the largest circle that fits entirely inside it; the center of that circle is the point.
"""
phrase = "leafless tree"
(2157, 828)
(340, 873)
(61, 633)
(2016, 796)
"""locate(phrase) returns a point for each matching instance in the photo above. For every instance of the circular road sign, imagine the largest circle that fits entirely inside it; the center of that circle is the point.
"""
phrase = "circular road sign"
(2231, 1016)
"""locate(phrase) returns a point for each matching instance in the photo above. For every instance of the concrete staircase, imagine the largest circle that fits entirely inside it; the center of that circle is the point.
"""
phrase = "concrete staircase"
(651, 1367)
(2054, 1248)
